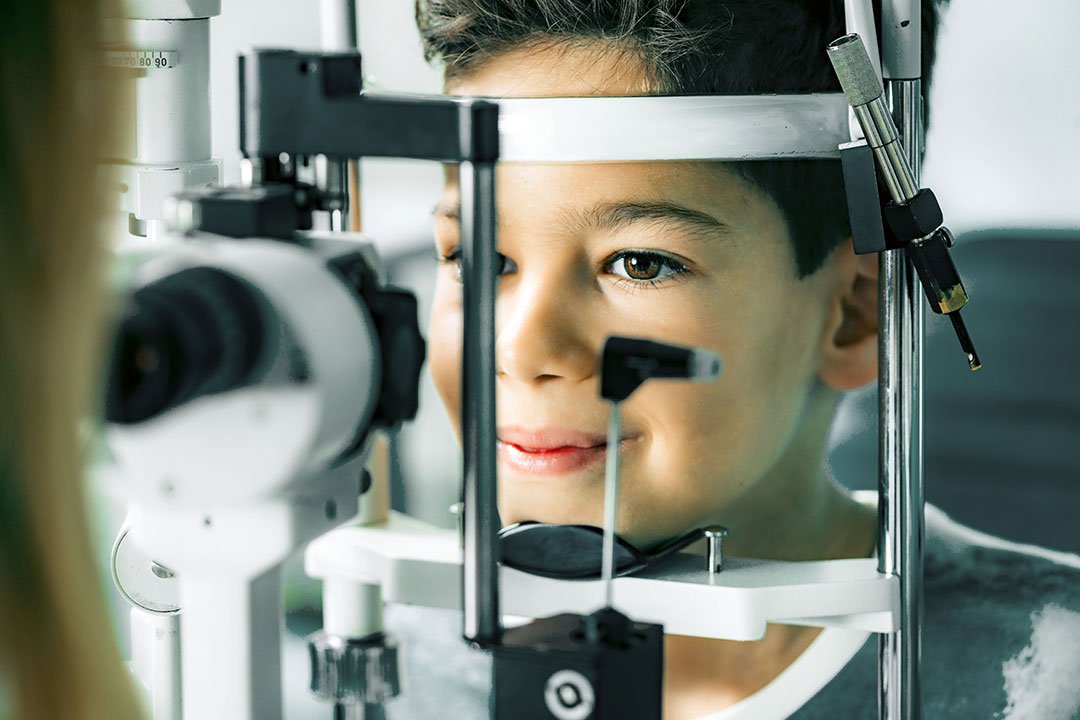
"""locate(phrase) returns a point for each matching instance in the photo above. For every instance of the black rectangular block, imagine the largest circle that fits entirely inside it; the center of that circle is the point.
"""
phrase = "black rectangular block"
(549, 670)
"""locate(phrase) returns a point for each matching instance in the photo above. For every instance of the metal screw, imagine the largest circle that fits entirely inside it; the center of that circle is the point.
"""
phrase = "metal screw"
(715, 535)
(160, 570)
(458, 511)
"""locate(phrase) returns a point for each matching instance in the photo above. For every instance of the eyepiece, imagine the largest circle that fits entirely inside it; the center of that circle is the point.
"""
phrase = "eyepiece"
(196, 332)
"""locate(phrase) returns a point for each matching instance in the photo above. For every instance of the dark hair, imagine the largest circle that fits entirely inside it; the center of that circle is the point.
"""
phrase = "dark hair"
(691, 47)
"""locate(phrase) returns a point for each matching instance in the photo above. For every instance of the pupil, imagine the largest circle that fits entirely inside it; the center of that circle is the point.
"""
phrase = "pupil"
(642, 267)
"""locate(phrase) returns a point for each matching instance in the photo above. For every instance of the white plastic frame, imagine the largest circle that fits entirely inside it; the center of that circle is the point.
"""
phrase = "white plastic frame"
(716, 127)
(415, 564)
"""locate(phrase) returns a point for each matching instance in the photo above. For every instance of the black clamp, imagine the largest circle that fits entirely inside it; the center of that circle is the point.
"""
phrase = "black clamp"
(878, 224)
(913, 220)
(275, 210)
(394, 312)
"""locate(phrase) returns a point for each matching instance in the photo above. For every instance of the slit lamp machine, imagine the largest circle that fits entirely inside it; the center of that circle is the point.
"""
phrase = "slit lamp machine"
(257, 355)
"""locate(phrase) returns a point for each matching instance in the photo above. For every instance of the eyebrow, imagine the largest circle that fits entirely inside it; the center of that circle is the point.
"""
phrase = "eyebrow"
(620, 215)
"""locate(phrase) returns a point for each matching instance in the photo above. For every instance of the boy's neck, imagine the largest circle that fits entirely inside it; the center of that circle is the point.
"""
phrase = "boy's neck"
(703, 676)
(797, 512)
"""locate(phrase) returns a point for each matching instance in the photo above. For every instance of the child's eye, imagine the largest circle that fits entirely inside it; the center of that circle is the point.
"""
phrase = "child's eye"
(505, 265)
(644, 267)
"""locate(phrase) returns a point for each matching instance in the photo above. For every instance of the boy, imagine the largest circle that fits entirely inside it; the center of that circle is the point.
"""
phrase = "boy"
(752, 260)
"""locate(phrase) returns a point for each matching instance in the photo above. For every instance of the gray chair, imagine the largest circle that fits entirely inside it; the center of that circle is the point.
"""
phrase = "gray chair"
(1002, 446)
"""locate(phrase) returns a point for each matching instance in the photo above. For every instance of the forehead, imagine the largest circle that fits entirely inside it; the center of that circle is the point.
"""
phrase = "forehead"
(583, 68)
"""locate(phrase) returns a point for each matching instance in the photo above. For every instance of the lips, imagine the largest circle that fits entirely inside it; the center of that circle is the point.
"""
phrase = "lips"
(550, 451)
(550, 438)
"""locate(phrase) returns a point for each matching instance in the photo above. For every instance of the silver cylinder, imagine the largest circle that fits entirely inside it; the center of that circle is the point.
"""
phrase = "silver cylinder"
(359, 711)
(172, 104)
(900, 409)
(337, 25)
(481, 517)
(338, 32)
(901, 39)
(891, 156)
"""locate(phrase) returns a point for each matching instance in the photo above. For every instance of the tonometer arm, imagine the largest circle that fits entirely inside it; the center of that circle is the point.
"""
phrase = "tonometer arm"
(914, 216)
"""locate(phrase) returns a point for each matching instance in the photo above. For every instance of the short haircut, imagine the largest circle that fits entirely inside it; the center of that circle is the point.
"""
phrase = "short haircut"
(691, 47)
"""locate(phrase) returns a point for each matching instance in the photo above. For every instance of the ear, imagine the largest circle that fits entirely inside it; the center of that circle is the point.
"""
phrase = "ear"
(849, 345)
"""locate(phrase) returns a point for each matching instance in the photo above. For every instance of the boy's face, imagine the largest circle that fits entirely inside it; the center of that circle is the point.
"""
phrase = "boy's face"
(680, 252)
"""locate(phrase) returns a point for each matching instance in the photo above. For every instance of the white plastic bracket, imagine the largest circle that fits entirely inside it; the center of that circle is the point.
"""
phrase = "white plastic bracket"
(416, 564)
(145, 188)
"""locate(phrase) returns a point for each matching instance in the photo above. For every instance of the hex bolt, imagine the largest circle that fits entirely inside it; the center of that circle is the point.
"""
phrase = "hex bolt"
(715, 535)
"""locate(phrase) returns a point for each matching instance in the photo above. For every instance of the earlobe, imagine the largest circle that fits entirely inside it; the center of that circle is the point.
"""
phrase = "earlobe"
(849, 353)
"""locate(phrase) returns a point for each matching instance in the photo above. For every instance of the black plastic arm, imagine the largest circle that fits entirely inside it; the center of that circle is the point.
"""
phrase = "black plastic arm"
(305, 103)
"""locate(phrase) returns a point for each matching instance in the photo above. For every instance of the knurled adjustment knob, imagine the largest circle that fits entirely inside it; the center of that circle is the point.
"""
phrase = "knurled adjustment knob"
(354, 670)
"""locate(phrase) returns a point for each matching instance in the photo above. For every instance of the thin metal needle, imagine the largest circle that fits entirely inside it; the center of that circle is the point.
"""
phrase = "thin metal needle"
(611, 501)
(965, 340)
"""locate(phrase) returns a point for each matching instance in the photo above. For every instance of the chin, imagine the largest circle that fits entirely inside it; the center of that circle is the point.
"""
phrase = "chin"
(555, 513)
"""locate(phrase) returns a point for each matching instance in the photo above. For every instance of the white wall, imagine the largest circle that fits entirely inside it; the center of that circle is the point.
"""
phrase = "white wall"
(1002, 149)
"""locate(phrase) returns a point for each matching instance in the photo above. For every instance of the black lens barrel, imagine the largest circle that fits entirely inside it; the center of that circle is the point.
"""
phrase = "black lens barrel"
(194, 333)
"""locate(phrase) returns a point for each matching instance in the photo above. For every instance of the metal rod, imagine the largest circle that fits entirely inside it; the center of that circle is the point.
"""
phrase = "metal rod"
(900, 543)
(901, 39)
(337, 25)
(358, 711)
(339, 33)
(481, 518)
(611, 501)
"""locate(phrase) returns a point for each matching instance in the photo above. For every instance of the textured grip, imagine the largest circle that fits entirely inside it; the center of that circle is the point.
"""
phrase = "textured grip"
(854, 70)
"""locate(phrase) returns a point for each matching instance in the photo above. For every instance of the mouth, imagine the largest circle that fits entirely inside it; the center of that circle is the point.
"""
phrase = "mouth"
(551, 451)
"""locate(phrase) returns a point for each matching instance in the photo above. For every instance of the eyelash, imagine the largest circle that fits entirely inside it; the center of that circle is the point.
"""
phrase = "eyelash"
(676, 268)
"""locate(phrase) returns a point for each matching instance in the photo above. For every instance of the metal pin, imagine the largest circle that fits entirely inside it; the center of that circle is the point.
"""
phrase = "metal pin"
(611, 501)
(458, 511)
(965, 340)
(715, 535)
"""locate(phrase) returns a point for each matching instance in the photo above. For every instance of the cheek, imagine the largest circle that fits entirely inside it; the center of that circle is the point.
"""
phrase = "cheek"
(712, 442)
(444, 346)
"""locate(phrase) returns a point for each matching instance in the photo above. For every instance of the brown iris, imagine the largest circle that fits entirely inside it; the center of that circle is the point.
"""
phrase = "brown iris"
(642, 266)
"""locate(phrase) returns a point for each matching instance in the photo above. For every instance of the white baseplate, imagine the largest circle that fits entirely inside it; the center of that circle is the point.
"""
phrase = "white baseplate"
(416, 564)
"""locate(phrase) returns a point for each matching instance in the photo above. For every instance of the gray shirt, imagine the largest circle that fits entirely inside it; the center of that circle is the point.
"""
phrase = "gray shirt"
(1001, 639)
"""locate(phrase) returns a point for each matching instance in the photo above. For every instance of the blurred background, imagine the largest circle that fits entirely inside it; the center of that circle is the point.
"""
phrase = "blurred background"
(1002, 446)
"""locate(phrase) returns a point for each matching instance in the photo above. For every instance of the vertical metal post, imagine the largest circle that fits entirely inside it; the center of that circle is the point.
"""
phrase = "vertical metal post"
(900, 407)
(337, 25)
(481, 521)
(339, 33)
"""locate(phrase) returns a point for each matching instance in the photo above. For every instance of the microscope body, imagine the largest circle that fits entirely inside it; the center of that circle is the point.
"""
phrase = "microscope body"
(225, 485)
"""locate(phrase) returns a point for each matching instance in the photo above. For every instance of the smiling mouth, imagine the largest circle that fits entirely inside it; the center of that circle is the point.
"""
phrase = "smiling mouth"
(550, 460)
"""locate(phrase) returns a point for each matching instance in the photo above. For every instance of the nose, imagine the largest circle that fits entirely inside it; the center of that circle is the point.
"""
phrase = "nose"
(544, 332)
